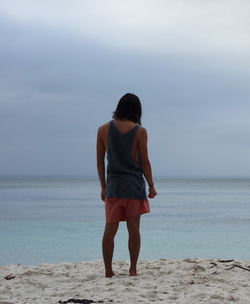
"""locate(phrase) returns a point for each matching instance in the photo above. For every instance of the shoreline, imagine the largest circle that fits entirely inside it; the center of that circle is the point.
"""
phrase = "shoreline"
(190, 280)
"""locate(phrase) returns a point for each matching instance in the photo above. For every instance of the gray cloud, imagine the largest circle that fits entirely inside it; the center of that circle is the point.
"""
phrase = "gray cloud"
(59, 83)
(158, 27)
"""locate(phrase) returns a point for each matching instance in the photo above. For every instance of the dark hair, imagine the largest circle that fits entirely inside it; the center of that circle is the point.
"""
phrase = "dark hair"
(128, 107)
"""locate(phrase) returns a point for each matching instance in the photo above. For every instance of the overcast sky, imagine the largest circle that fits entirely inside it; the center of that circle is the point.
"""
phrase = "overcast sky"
(65, 64)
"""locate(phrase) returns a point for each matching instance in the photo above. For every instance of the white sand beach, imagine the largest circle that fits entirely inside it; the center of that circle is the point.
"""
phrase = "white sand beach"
(184, 281)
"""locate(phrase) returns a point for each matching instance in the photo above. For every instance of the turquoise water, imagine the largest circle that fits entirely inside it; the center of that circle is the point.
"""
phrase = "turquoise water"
(57, 219)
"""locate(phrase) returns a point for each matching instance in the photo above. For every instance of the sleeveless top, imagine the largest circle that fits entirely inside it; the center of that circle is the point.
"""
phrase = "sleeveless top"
(124, 177)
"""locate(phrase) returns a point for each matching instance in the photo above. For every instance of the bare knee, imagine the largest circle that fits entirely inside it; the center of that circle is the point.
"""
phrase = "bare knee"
(133, 225)
(111, 229)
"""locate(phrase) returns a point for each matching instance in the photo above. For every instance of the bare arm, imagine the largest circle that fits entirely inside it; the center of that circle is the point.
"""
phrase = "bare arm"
(143, 152)
(100, 158)
(145, 163)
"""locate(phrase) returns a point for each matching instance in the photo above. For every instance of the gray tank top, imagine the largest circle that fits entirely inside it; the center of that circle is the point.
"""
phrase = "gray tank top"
(124, 177)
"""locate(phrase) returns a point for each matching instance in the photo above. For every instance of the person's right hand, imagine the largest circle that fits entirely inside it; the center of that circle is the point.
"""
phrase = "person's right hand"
(151, 192)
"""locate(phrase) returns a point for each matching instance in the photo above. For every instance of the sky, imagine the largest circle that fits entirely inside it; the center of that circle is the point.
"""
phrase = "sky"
(65, 64)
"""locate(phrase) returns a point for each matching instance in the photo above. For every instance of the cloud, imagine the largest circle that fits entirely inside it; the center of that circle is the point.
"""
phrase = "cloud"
(64, 65)
(152, 27)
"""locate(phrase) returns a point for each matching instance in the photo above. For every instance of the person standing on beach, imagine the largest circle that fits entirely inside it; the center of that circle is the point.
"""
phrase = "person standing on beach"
(125, 142)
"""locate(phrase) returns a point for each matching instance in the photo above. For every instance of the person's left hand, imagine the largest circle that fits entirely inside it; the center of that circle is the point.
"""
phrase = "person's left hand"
(103, 194)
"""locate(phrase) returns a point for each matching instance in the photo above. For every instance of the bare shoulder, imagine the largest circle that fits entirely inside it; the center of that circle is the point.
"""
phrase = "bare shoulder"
(142, 132)
(143, 129)
(103, 128)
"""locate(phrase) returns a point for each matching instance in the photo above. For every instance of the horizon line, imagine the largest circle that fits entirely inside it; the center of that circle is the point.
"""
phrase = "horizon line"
(96, 176)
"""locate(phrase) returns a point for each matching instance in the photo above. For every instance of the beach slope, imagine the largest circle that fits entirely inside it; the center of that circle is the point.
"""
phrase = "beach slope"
(184, 281)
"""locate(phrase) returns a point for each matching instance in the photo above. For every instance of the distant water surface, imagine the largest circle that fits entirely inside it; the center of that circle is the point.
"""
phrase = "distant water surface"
(57, 219)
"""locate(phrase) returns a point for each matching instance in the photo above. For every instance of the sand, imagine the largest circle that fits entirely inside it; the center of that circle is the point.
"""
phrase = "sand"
(184, 281)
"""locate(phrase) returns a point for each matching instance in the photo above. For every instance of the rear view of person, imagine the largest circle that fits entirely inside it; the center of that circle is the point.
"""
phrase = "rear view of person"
(124, 192)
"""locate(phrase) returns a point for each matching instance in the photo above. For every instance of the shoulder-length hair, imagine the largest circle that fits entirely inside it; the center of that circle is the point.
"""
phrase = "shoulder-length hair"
(128, 107)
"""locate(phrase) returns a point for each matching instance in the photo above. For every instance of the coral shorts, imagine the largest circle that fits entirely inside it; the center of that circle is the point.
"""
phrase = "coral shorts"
(121, 209)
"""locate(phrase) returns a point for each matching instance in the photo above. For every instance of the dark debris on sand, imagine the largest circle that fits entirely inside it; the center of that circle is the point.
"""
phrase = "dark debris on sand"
(82, 301)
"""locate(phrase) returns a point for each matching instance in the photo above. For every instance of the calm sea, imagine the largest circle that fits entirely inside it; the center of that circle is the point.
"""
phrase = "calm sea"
(61, 219)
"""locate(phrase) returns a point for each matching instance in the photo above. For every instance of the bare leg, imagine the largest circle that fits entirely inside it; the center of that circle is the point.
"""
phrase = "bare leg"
(108, 247)
(134, 242)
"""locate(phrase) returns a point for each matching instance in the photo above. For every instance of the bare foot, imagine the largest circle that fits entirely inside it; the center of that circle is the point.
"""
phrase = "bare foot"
(109, 274)
(132, 273)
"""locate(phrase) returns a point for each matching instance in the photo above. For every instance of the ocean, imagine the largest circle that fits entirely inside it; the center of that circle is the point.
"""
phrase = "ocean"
(61, 219)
